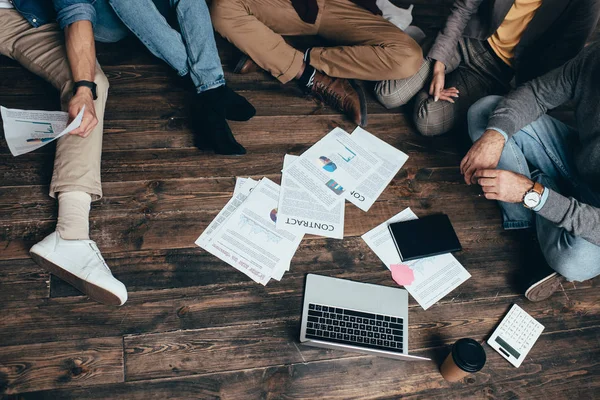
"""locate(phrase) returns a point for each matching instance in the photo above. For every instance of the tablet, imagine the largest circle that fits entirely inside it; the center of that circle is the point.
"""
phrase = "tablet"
(424, 237)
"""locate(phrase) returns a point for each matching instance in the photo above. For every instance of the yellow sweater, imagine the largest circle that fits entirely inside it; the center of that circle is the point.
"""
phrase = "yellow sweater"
(509, 33)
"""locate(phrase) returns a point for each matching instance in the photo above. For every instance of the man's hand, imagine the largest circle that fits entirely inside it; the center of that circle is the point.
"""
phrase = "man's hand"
(83, 97)
(484, 154)
(436, 89)
(498, 184)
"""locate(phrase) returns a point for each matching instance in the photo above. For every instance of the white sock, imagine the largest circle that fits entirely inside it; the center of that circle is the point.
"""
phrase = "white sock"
(74, 215)
(398, 16)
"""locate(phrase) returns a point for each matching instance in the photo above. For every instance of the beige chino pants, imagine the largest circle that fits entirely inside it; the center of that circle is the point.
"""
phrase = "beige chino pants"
(366, 46)
(42, 51)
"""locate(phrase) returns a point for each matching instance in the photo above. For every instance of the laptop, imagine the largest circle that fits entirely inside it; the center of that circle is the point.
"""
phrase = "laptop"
(354, 316)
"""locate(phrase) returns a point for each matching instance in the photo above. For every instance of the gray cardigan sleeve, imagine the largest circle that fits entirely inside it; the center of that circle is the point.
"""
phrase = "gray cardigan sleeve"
(445, 44)
(530, 101)
(526, 104)
(577, 218)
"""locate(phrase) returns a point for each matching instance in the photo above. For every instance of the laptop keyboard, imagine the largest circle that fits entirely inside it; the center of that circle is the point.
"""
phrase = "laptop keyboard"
(354, 328)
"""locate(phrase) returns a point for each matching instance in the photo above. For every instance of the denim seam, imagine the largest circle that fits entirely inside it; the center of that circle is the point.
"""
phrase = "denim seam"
(516, 225)
(211, 85)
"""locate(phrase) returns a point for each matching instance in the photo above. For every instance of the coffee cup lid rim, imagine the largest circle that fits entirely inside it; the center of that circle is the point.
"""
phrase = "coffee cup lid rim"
(468, 355)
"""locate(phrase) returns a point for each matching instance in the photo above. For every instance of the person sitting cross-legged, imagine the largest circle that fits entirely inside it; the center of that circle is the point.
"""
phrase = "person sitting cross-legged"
(364, 45)
(483, 46)
(64, 54)
(544, 173)
(189, 48)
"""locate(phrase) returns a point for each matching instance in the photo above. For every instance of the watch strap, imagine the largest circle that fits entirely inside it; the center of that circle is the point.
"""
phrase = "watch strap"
(87, 84)
(538, 188)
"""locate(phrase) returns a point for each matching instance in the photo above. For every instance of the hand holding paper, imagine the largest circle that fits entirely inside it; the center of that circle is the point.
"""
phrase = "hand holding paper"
(26, 131)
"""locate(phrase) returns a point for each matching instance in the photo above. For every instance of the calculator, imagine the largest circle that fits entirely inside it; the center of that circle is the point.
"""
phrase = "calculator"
(515, 335)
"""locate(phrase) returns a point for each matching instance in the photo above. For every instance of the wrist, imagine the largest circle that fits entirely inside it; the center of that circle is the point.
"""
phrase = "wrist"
(493, 134)
(533, 195)
(87, 87)
(83, 91)
(439, 68)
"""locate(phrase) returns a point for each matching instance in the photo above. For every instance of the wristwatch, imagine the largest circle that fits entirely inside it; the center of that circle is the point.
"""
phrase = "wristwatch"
(87, 84)
(533, 196)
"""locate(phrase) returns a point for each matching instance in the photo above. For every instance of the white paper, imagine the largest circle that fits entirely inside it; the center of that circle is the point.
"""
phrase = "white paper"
(299, 212)
(332, 166)
(370, 188)
(249, 241)
(434, 277)
(239, 182)
(26, 131)
(243, 187)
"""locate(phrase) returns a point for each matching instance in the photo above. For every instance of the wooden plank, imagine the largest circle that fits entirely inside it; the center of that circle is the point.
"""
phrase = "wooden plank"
(254, 346)
(23, 279)
(217, 349)
(60, 364)
(243, 302)
(542, 376)
(20, 203)
(168, 269)
(180, 228)
(209, 350)
(155, 164)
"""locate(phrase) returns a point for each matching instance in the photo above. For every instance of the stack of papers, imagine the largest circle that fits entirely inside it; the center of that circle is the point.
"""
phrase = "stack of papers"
(426, 279)
(244, 234)
(260, 228)
(338, 167)
(26, 131)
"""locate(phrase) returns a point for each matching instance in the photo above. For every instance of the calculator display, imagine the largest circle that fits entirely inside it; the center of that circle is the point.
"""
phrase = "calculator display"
(508, 347)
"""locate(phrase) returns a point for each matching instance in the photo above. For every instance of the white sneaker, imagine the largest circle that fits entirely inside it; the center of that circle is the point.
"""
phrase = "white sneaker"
(80, 263)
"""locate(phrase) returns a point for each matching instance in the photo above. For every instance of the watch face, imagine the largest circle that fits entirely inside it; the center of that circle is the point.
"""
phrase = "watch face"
(532, 199)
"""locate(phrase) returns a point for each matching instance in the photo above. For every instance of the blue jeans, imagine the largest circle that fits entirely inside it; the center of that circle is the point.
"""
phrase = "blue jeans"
(192, 51)
(547, 146)
(109, 28)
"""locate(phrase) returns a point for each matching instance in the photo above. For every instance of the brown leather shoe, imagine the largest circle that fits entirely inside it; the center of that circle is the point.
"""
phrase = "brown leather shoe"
(245, 65)
(342, 94)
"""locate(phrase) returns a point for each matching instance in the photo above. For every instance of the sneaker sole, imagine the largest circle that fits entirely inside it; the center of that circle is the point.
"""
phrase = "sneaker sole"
(95, 292)
(544, 288)
(363, 102)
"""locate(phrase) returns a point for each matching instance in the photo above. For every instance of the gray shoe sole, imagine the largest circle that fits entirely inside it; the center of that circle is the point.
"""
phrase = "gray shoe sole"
(96, 293)
(544, 288)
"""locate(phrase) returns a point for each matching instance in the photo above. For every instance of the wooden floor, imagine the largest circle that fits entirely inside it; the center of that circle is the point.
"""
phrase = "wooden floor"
(196, 328)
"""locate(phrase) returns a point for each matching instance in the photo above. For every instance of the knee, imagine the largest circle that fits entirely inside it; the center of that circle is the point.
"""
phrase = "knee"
(479, 114)
(222, 11)
(406, 59)
(101, 81)
(389, 95)
(432, 118)
(575, 258)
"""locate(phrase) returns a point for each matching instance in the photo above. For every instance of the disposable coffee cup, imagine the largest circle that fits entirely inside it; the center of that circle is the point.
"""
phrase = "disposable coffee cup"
(467, 356)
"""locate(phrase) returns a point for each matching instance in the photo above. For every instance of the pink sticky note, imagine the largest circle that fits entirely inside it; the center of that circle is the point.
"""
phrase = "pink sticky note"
(402, 274)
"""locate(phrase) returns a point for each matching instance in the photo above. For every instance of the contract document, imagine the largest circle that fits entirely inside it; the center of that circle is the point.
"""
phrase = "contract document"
(299, 212)
(330, 168)
(427, 279)
(243, 187)
(26, 131)
(248, 239)
(369, 189)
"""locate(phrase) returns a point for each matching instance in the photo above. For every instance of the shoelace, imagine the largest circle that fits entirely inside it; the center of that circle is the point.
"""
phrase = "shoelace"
(329, 97)
(99, 255)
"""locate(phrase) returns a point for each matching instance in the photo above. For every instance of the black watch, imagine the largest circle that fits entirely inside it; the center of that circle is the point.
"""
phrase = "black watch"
(87, 84)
